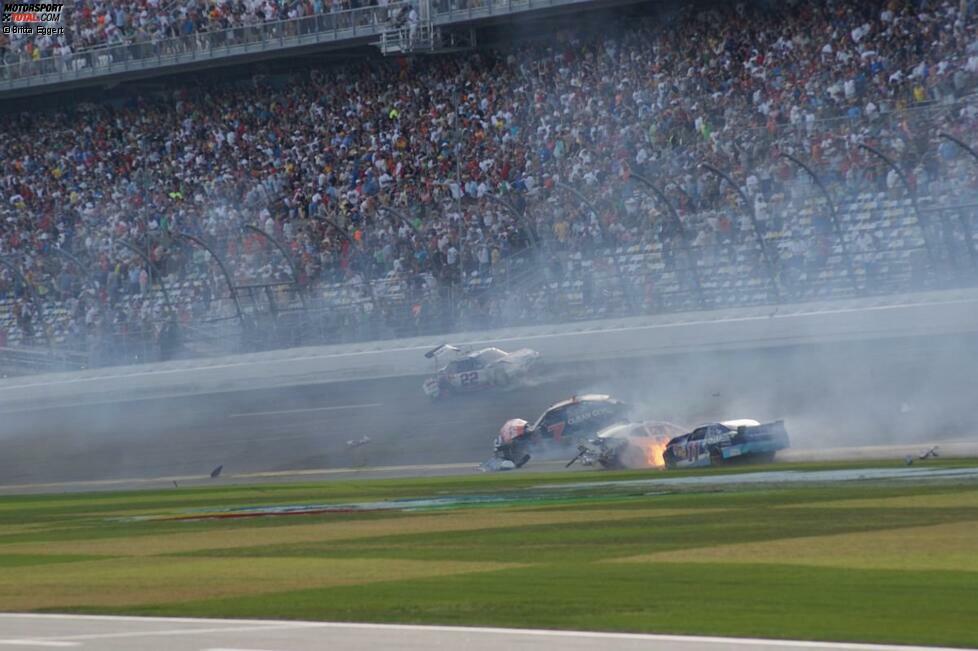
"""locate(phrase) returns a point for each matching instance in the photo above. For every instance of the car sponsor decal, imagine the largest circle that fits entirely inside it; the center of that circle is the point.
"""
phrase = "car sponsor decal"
(588, 415)
(557, 430)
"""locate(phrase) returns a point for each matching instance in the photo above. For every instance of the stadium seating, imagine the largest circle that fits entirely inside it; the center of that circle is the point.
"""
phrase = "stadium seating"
(496, 187)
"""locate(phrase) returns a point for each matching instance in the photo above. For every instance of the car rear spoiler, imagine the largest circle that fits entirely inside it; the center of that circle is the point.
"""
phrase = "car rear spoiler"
(775, 427)
(431, 354)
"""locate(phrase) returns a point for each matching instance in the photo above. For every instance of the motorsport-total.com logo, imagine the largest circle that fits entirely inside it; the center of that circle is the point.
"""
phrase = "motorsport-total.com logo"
(32, 18)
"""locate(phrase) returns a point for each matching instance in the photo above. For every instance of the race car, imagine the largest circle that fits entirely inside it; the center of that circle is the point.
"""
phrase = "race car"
(628, 445)
(480, 369)
(564, 424)
(717, 443)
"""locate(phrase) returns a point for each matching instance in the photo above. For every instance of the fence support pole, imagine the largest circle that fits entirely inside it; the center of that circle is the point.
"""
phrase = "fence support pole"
(224, 272)
(35, 299)
(834, 214)
(82, 267)
(614, 258)
(288, 258)
(921, 222)
(520, 218)
(965, 222)
(687, 247)
(152, 268)
(399, 215)
(768, 259)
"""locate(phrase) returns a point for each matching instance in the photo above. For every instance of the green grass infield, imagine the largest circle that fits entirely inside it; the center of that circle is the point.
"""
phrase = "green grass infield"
(871, 559)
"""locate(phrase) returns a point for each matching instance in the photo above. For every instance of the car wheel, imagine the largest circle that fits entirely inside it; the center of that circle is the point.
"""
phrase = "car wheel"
(716, 457)
(765, 457)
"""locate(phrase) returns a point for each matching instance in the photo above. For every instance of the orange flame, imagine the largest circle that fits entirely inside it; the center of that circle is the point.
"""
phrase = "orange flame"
(655, 448)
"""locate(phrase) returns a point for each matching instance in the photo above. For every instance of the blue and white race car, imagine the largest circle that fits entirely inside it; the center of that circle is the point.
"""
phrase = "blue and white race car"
(716, 443)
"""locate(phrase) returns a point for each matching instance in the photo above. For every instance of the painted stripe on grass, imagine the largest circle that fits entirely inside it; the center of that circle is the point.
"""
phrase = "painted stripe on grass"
(237, 625)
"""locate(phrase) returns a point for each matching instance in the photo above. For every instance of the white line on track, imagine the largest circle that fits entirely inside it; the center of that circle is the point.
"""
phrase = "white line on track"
(498, 341)
(307, 409)
(44, 643)
(230, 626)
(247, 626)
(270, 474)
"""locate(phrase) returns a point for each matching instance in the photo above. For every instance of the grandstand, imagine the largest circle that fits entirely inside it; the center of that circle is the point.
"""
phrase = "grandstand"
(271, 174)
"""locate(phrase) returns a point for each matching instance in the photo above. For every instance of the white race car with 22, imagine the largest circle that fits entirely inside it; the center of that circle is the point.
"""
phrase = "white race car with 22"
(480, 369)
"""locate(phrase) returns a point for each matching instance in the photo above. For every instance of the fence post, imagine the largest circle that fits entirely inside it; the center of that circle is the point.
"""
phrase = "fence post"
(921, 222)
(965, 222)
(224, 272)
(35, 299)
(520, 219)
(152, 269)
(288, 258)
(623, 283)
(772, 266)
(684, 236)
(833, 213)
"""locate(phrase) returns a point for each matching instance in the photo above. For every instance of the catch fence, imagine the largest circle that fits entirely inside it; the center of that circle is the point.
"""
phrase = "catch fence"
(891, 211)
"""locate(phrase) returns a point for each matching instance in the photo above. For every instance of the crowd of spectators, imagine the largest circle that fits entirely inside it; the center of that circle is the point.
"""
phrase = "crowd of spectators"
(167, 26)
(142, 28)
(418, 168)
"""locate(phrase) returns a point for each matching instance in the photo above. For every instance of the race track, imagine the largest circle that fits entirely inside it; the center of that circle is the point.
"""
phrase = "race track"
(160, 634)
(887, 392)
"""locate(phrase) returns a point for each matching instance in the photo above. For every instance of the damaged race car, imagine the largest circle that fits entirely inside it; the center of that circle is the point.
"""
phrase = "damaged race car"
(562, 425)
(628, 446)
(480, 369)
(718, 443)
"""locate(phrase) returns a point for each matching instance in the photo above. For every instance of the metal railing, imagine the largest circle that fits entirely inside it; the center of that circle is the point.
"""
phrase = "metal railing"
(447, 11)
(20, 70)
(198, 46)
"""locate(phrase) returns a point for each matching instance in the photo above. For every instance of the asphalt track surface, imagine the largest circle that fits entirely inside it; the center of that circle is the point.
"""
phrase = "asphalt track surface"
(872, 394)
(151, 634)
(840, 400)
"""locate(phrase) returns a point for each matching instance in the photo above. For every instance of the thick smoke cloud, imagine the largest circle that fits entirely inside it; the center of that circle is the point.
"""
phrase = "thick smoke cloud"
(833, 395)
(863, 393)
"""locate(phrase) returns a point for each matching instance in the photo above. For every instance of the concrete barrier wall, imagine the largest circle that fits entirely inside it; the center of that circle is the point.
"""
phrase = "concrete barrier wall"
(937, 313)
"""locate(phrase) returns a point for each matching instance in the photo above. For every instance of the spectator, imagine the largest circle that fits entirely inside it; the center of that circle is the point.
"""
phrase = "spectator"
(324, 162)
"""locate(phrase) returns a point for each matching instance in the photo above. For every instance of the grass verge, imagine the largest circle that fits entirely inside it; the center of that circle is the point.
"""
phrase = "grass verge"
(873, 561)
